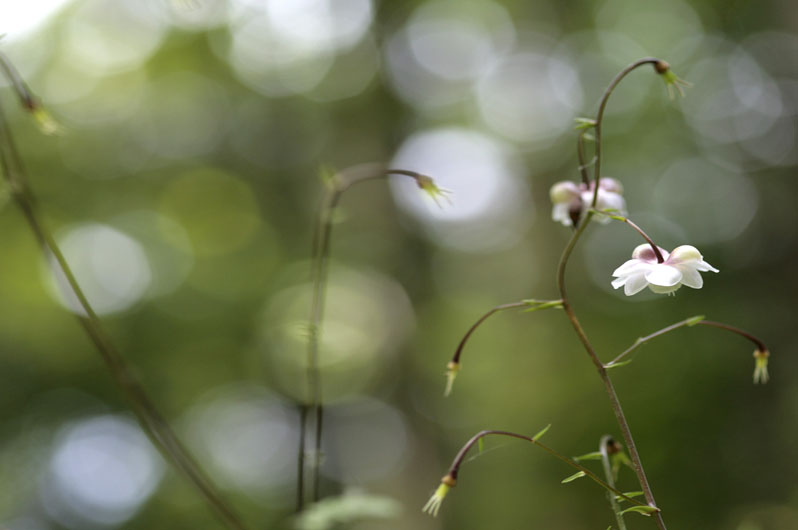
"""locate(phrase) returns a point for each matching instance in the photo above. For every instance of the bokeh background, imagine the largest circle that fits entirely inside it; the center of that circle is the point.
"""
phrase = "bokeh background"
(184, 191)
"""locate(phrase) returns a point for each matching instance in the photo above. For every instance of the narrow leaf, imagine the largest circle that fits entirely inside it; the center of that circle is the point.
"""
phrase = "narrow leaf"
(616, 365)
(695, 320)
(540, 434)
(642, 510)
(596, 455)
(481, 444)
(630, 494)
(573, 477)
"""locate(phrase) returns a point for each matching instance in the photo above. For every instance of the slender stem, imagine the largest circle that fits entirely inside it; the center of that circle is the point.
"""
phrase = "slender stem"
(600, 116)
(580, 152)
(604, 444)
(654, 247)
(454, 469)
(340, 182)
(609, 387)
(759, 344)
(685, 323)
(20, 87)
(300, 472)
(642, 340)
(545, 304)
(151, 420)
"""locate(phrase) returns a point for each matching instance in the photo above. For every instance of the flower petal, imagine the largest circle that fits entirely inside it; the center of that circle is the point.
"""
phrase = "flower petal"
(685, 254)
(564, 191)
(630, 266)
(646, 253)
(560, 213)
(691, 277)
(634, 284)
(664, 275)
(704, 266)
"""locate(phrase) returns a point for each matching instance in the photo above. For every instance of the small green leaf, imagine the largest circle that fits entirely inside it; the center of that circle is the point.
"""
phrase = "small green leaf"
(629, 494)
(535, 305)
(584, 123)
(642, 510)
(540, 434)
(695, 320)
(596, 455)
(588, 136)
(327, 175)
(616, 365)
(481, 444)
(573, 477)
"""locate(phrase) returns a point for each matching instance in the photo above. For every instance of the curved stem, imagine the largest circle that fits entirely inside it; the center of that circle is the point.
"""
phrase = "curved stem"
(152, 422)
(642, 340)
(693, 321)
(540, 304)
(654, 247)
(454, 469)
(759, 344)
(604, 444)
(340, 183)
(609, 387)
(600, 116)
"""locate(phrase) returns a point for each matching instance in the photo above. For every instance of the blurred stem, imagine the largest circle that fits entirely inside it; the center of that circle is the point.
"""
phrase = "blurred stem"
(336, 186)
(151, 420)
(20, 87)
(454, 469)
(614, 401)
(580, 152)
(604, 444)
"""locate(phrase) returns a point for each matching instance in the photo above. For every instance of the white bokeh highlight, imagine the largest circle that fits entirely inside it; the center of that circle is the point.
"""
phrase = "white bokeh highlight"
(485, 178)
(102, 470)
(111, 268)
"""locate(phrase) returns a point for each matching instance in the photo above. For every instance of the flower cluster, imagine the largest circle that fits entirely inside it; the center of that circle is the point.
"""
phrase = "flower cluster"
(571, 200)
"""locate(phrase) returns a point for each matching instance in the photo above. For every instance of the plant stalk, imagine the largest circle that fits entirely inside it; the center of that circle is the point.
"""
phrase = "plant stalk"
(609, 387)
(149, 417)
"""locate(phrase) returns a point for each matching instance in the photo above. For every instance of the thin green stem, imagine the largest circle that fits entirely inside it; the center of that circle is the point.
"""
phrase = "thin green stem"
(693, 321)
(642, 340)
(604, 444)
(609, 387)
(454, 469)
(600, 116)
(339, 183)
(580, 153)
(151, 420)
(534, 304)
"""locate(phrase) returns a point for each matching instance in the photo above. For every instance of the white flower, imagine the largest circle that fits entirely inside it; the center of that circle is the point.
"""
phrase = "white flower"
(681, 267)
(571, 200)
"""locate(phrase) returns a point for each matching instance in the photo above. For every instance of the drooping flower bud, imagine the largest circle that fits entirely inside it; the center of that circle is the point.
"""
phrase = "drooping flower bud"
(761, 374)
(434, 502)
